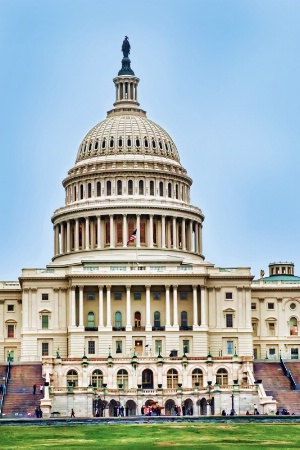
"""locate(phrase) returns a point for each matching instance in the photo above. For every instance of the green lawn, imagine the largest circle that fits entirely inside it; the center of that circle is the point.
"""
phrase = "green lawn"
(153, 436)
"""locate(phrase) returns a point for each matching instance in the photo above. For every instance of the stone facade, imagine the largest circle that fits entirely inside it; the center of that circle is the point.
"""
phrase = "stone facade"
(129, 311)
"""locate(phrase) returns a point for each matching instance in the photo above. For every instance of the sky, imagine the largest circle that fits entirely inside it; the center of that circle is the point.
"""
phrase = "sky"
(220, 76)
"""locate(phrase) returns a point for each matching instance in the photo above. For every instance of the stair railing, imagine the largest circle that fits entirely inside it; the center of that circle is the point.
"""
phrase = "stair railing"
(288, 374)
(7, 377)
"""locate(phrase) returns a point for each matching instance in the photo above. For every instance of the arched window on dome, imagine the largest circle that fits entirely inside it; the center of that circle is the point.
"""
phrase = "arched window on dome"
(111, 142)
(143, 232)
(89, 190)
(181, 195)
(161, 189)
(98, 189)
(81, 191)
(129, 142)
(104, 143)
(119, 231)
(108, 188)
(176, 191)
(153, 144)
(90, 147)
(179, 236)
(75, 193)
(151, 187)
(96, 145)
(130, 187)
(120, 142)
(146, 144)
(141, 187)
(137, 142)
(119, 187)
(167, 147)
(170, 190)
(160, 145)
(107, 232)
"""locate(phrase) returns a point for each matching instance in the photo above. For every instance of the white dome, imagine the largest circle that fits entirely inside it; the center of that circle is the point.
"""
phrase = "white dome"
(130, 133)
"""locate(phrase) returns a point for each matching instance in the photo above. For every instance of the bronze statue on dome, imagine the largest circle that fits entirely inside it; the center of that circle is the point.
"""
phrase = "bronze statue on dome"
(126, 47)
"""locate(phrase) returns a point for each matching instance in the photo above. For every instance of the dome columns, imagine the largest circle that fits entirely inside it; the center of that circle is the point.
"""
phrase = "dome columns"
(126, 91)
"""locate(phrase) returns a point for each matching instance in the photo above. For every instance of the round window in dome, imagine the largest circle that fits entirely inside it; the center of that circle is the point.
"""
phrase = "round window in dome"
(293, 306)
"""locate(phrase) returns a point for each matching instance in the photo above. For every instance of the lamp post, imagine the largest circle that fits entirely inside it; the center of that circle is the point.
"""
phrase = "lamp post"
(232, 412)
(209, 383)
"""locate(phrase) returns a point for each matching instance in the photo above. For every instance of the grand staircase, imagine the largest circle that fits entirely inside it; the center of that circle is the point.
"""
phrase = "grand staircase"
(278, 385)
(294, 368)
(19, 399)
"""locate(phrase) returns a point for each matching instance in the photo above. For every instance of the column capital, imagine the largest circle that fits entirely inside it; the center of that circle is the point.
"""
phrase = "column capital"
(195, 286)
(167, 286)
(128, 287)
(175, 286)
(108, 287)
(261, 300)
(56, 289)
(33, 289)
(138, 215)
(81, 288)
(100, 286)
(148, 286)
(210, 289)
(217, 289)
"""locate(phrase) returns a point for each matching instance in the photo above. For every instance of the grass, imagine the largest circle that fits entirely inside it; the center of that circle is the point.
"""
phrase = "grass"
(153, 436)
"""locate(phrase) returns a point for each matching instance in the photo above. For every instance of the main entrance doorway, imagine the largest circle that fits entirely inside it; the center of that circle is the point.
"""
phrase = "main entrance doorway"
(138, 348)
(147, 379)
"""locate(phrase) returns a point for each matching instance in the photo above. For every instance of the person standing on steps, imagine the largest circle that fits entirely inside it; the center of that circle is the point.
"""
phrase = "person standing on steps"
(72, 413)
(34, 389)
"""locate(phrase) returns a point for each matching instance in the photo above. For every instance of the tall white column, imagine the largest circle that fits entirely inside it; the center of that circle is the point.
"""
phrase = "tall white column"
(108, 307)
(248, 307)
(195, 306)
(203, 306)
(138, 233)
(240, 308)
(81, 306)
(168, 316)
(56, 240)
(25, 308)
(191, 236)
(100, 325)
(200, 239)
(151, 230)
(128, 310)
(175, 307)
(56, 306)
(62, 238)
(148, 310)
(183, 240)
(218, 307)
(163, 231)
(92, 225)
(174, 233)
(68, 237)
(125, 230)
(76, 235)
(1, 320)
(87, 233)
(98, 232)
(112, 234)
(196, 238)
(73, 307)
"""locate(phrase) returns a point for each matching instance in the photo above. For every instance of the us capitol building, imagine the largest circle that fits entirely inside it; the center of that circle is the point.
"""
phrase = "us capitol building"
(129, 312)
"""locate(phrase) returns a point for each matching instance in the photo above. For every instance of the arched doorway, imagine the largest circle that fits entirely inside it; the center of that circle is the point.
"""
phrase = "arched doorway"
(169, 407)
(188, 407)
(147, 379)
(99, 406)
(202, 405)
(113, 405)
(130, 408)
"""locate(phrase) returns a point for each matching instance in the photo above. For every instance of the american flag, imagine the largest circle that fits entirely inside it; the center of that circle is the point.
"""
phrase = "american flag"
(132, 237)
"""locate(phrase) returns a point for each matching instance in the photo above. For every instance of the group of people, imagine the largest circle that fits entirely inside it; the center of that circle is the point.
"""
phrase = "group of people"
(119, 411)
(151, 410)
(284, 412)
(41, 389)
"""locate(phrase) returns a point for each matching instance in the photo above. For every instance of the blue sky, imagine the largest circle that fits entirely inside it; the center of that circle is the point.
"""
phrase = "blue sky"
(221, 76)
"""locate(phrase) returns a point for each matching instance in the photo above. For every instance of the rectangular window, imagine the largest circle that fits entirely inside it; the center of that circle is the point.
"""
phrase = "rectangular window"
(91, 348)
(228, 295)
(253, 305)
(229, 320)
(156, 296)
(45, 296)
(10, 331)
(45, 349)
(183, 296)
(229, 347)
(10, 308)
(272, 351)
(254, 328)
(137, 296)
(45, 322)
(270, 305)
(91, 297)
(294, 353)
(118, 346)
(118, 296)
(271, 329)
(158, 346)
(186, 346)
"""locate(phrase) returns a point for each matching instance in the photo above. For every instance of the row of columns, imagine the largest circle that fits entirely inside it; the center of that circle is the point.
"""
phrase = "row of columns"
(94, 230)
(148, 325)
